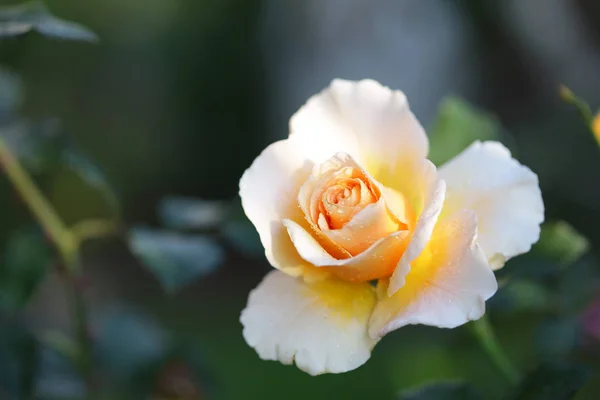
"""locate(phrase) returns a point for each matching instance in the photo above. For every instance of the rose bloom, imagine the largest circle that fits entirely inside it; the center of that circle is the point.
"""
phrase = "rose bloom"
(367, 236)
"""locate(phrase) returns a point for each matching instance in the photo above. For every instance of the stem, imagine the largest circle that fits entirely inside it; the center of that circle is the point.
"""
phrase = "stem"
(39, 205)
(68, 247)
(79, 311)
(93, 229)
(487, 339)
(583, 109)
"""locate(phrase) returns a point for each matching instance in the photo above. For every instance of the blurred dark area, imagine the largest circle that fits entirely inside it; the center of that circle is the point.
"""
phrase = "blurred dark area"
(179, 96)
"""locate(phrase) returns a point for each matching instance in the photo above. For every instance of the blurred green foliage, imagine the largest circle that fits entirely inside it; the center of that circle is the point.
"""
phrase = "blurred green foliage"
(188, 345)
(27, 257)
(441, 390)
(458, 124)
(23, 18)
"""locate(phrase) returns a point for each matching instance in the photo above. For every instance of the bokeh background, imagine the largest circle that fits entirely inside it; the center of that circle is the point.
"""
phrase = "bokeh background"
(179, 96)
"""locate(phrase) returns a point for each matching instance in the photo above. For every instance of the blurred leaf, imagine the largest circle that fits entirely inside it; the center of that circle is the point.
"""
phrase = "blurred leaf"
(590, 390)
(441, 390)
(522, 295)
(188, 213)
(175, 259)
(243, 236)
(558, 337)
(458, 124)
(37, 145)
(552, 382)
(143, 361)
(11, 95)
(240, 233)
(128, 344)
(62, 344)
(78, 178)
(27, 257)
(19, 355)
(58, 378)
(578, 285)
(560, 242)
(19, 19)
(530, 266)
(45, 150)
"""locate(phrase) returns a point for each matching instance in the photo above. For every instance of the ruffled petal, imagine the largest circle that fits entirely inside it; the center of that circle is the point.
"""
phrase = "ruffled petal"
(322, 327)
(448, 283)
(505, 195)
(365, 119)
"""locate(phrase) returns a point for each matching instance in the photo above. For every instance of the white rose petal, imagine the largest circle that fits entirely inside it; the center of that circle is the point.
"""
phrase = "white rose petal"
(322, 328)
(505, 195)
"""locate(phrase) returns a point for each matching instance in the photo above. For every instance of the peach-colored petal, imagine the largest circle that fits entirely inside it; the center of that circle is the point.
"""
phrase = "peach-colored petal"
(429, 196)
(448, 283)
(377, 261)
(318, 195)
(346, 208)
(371, 224)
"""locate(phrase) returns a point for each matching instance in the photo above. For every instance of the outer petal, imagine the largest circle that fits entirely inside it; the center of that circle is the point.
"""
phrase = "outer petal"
(322, 327)
(364, 119)
(504, 194)
(429, 192)
(269, 190)
(378, 260)
(447, 285)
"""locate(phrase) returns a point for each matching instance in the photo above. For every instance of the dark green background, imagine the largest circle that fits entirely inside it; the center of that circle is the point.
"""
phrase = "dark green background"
(174, 100)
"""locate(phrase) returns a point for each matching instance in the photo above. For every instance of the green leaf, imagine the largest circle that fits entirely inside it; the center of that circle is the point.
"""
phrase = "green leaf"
(188, 213)
(522, 295)
(58, 378)
(578, 285)
(142, 360)
(458, 124)
(450, 390)
(239, 232)
(558, 337)
(76, 177)
(26, 259)
(37, 144)
(561, 243)
(45, 151)
(552, 382)
(129, 344)
(530, 266)
(16, 20)
(175, 259)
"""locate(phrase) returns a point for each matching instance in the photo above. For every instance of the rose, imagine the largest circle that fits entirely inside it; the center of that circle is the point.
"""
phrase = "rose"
(350, 199)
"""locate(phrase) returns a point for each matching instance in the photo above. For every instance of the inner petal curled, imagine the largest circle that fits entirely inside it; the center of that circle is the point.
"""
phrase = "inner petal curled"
(343, 204)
